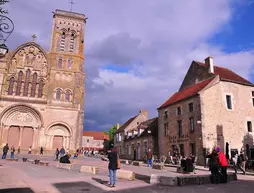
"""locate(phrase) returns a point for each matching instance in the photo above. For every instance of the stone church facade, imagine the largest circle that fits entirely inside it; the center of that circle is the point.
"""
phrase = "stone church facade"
(42, 93)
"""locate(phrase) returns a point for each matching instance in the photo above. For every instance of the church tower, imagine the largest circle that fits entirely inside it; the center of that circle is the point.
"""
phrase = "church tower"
(66, 88)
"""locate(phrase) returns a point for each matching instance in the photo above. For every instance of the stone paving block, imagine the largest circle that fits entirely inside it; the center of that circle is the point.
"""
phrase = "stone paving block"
(124, 174)
(163, 180)
(89, 169)
(136, 163)
(64, 166)
(44, 163)
(11, 159)
(158, 166)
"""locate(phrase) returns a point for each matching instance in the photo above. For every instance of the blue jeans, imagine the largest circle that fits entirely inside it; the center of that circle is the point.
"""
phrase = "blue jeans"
(149, 162)
(112, 175)
(4, 155)
(12, 155)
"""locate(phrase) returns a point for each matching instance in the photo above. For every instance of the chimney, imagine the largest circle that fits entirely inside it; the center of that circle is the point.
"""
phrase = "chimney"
(209, 64)
(117, 126)
(144, 112)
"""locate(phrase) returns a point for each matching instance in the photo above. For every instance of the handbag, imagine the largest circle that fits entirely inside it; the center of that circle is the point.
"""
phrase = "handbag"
(118, 162)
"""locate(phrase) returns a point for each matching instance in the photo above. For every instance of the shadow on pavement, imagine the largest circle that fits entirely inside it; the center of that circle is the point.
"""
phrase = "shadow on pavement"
(100, 181)
(77, 187)
(16, 190)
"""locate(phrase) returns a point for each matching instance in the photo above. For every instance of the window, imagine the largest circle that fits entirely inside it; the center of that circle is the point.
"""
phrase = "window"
(119, 137)
(193, 148)
(132, 133)
(229, 102)
(179, 111)
(40, 89)
(181, 149)
(145, 147)
(19, 83)
(129, 149)
(249, 126)
(166, 129)
(60, 63)
(166, 114)
(69, 63)
(68, 95)
(253, 102)
(26, 84)
(62, 42)
(252, 93)
(191, 120)
(78, 80)
(138, 131)
(11, 85)
(34, 83)
(137, 123)
(180, 128)
(72, 42)
(58, 94)
(190, 107)
(87, 141)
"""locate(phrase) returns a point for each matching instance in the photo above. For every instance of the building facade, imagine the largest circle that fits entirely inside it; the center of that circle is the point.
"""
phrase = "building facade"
(213, 107)
(94, 141)
(42, 93)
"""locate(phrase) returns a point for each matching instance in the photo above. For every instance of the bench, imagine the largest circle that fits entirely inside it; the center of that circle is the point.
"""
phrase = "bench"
(124, 174)
(11, 159)
(44, 163)
(89, 169)
(64, 166)
(158, 166)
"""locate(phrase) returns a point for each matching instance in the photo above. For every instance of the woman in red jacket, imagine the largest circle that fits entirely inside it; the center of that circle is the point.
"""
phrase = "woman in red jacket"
(223, 162)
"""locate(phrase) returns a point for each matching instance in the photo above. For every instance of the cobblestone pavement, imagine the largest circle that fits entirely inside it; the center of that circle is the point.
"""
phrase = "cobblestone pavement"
(38, 179)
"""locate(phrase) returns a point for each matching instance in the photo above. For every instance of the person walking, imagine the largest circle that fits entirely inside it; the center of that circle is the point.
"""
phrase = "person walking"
(223, 162)
(12, 152)
(113, 166)
(30, 150)
(57, 153)
(149, 158)
(41, 151)
(19, 150)
(214, 166)
(242, 161)
(62, 152)
(235, 158)
(5, 151)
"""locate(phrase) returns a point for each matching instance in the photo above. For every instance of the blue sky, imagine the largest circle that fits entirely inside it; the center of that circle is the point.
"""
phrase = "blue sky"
(138, 52)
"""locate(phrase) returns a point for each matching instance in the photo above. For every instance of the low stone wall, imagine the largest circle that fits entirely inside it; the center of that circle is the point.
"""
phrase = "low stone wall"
(127, 175)
(89, 169)
(136, 163)
(43, 163)
(163, 180)
(12, 159)
(158, 166)
(64, 166)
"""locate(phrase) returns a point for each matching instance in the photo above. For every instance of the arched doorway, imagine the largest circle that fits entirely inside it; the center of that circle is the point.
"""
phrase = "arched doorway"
(19, 126)
(58, 136)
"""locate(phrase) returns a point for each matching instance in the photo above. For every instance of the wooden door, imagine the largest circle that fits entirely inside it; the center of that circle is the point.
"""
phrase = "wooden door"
(27, 137)
(57, 142)
(13, 136)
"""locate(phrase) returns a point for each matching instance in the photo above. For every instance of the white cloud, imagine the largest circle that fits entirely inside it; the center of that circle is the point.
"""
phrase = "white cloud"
(157, 40)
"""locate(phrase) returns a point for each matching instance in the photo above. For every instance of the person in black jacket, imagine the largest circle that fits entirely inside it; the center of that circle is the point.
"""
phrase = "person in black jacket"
(112, 166)
(214, 166)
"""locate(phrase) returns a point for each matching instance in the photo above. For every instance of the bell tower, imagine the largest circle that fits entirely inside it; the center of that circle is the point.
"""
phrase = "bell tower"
(67, 76)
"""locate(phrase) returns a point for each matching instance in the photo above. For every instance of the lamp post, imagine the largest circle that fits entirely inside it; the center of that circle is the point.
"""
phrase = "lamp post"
(6, 28)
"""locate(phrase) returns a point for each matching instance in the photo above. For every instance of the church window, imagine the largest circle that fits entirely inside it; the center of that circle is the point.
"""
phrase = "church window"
(68, 95)
(34, 82)
(60, 63)
(26, 84)
(62, 42)
(19, 83)
(78, 80)
(58, 94)
(40, 89)
(11, 85)
(69, 63)
(72, 42)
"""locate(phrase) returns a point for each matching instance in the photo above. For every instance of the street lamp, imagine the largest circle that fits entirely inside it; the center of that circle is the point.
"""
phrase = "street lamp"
(6, 28)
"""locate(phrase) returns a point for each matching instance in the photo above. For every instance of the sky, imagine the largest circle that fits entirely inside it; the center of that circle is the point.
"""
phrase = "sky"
(138, 52)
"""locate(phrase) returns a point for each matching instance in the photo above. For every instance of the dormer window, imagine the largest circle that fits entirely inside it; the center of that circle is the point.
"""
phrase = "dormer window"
(137, 123)
(139, 131)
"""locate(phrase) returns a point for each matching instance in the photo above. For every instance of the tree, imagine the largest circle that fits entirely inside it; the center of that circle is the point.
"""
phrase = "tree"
(112, 132)
(2, 2)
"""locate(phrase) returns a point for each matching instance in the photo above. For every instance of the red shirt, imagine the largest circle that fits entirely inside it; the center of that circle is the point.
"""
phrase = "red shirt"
(222, 159)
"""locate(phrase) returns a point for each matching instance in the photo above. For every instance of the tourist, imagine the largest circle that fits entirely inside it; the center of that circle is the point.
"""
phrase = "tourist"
(214, 166)
(149, 158)
(62, 152)
(242, 159)
(57, 153)
(235, 159)
(5, 151)
(223, 162)
(30, 150)
(19, 150)
(12, 152)
(41, 151)
(113, 166)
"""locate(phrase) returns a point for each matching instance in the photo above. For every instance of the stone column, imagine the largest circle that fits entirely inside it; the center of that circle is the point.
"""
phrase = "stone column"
(21, 128)
(5, 134)
(51, 141)
(68, 142)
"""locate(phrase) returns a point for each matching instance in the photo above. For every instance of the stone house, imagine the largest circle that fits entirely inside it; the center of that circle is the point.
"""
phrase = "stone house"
(142, 138)
(42, 92)
(94, 140)
(213, 107)
(126, 130)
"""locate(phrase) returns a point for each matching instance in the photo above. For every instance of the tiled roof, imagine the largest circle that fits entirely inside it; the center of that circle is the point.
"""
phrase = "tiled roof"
(96, 135)
(121, 129)
(186, 93)
(226, 74)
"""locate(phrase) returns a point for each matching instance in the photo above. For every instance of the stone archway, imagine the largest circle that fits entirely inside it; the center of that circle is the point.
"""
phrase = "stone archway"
(58, 136)
(19, 126)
